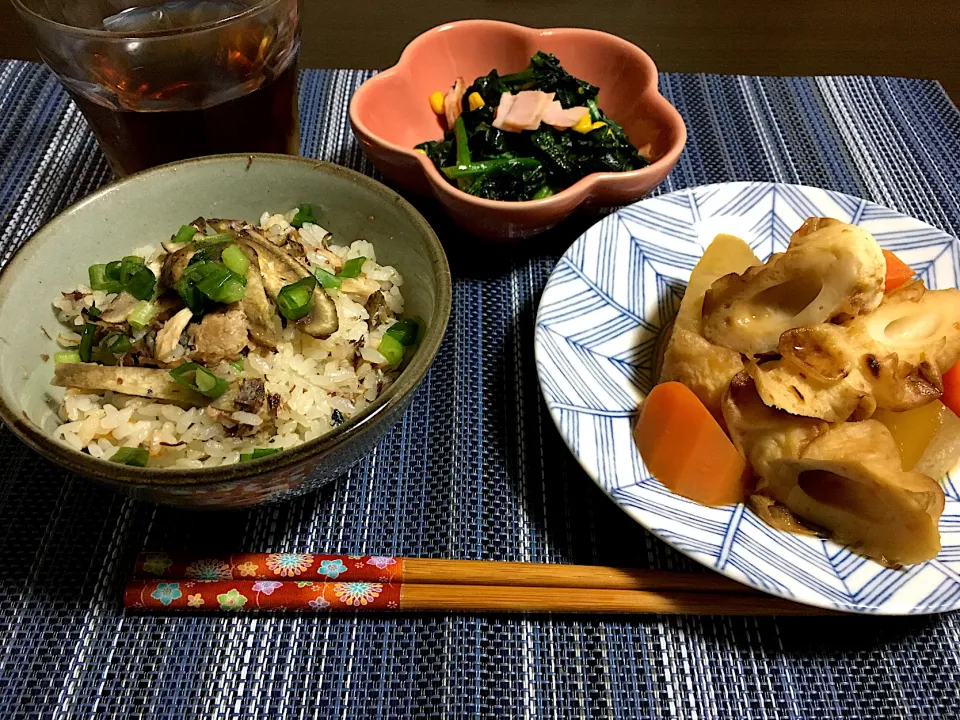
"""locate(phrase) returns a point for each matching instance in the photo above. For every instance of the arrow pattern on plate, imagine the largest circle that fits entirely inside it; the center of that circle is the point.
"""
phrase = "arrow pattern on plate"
(598, 328)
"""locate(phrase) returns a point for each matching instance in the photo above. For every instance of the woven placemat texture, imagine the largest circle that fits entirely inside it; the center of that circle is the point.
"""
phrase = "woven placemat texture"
(474, 470)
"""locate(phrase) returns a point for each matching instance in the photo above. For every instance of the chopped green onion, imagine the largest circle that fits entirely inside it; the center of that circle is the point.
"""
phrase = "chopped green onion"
(304, 215)
(237, 364)
(198, 378)
(295, 300)
(86, 342)
(192, 298)
(351, 268)
(136, 456)
(230, 290)
(118, 344)
(206, 381)
(214, 239)
(114, 271)
(544, 192)
(100, 281)
(143, 314)
(130, 274)
(391, 349)
(327, 279)
(405, 331)
(68, 356)
(141, 283)
(185, 234)
(93, 311)
(235, 260)
(258, 453)
(216, 281)
(208, 253)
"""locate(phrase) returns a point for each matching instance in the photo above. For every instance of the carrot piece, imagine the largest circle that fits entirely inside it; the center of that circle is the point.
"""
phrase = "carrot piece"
(898, 272)
(685, 448)
(951, 389)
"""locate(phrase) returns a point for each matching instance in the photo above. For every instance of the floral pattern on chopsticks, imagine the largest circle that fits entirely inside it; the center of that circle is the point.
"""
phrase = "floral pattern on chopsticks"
(356, 593)
(266, 586)
(259, 595)
(381, 562)
(308, 567)
(247, 569)
(332, 568)
(209, 570)
(289, 564)
(166, 593)
(156, 563)
(231, 600)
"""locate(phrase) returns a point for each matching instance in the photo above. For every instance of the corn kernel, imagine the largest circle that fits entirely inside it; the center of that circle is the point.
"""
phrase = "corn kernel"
(436, 102)
(583, 124)
(421, 151)
(476, 102)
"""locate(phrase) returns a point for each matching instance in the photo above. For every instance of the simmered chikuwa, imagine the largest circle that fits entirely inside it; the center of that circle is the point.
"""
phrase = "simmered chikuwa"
(832, 370)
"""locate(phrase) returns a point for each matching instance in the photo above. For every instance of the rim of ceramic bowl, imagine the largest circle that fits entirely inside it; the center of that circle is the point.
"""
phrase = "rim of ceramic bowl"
(21, 7)
(394, 395)
(576, 193)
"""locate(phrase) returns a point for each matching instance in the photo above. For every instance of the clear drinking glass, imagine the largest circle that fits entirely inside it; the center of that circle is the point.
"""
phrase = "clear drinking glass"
(165, 80)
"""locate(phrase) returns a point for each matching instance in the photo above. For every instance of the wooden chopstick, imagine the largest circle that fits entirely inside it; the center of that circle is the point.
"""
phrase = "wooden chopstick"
(314, 582)
(479, 572)
(427, 571)
(266, 595)
(482, 599)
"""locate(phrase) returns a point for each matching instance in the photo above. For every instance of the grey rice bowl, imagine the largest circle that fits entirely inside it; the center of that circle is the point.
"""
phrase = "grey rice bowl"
(293, 398)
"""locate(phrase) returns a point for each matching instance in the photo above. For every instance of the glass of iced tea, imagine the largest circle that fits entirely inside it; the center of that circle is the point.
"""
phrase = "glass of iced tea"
(172, 79)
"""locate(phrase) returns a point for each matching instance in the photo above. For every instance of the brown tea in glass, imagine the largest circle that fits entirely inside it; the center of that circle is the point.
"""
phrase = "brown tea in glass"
(164, 81)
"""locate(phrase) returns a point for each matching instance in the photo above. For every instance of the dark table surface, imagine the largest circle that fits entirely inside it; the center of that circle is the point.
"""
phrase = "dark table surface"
(748, 37)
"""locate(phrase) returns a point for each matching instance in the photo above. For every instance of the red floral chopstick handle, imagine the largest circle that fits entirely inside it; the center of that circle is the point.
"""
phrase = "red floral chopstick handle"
(256, 595)
(271, 566)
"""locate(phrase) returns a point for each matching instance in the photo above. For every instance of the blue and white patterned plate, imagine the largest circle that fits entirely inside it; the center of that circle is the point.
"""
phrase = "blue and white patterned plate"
(597, 336)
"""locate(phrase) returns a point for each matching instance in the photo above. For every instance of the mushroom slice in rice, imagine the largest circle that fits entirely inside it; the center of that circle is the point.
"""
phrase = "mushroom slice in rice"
(118, 309)
(143, 382)
(359, 289)
(260, 313)
(176, 263)
(279, 269)
(251, 395)
(377, 309)
(168, 338)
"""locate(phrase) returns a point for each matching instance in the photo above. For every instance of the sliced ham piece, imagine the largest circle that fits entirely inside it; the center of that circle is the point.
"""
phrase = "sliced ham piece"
(453, 101)
(526, 111)
(503, 109)
(560, 118)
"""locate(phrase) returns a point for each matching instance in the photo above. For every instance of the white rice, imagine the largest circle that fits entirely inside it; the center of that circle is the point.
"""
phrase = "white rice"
(319, 382)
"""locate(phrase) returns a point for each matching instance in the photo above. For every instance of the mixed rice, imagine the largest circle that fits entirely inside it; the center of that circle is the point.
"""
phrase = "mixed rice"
(250, 396)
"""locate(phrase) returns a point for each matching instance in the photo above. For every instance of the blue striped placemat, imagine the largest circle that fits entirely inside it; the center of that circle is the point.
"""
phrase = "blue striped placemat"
(484, 475)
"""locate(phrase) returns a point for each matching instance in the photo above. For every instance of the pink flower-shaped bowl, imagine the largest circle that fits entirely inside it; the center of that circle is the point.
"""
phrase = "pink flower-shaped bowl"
(390, 114)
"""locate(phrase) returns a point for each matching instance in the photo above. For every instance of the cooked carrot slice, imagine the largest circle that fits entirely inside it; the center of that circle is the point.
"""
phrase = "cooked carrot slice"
(898, 272)
(951, 389)
(684, 448)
